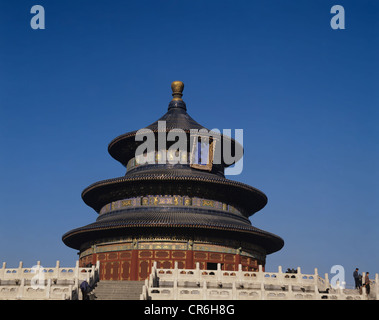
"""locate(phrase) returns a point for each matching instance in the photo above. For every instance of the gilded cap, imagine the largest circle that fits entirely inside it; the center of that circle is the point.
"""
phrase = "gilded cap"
(177, 90)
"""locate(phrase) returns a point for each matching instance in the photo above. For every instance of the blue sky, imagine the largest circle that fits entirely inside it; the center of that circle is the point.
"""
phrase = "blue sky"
(305, 95)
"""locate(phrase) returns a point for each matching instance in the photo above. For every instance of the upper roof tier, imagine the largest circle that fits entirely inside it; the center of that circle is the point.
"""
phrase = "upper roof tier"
(123, 147)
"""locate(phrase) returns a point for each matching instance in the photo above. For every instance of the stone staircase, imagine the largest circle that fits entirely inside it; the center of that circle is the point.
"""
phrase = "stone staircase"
(117, 290)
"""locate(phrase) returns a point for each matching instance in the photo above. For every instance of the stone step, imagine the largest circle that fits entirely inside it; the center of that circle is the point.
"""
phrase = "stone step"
(118, 298)
(121, 286)
(118, 290)
(102, 293)
(134, 297)
(118, 285)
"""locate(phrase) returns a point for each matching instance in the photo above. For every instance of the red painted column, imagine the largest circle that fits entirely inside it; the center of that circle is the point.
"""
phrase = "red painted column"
(134, 263)
(134, 266)
(189, 256)
(189, 260)
(238, 261)
(94, 255)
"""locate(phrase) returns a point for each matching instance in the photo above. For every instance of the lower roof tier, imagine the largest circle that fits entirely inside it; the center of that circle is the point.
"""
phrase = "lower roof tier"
(174, 222)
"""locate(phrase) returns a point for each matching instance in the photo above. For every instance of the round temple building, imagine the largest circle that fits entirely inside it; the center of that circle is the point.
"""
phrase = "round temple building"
(174, 204)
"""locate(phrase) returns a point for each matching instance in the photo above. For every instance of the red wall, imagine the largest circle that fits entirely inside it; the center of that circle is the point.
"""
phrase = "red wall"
(137, 264)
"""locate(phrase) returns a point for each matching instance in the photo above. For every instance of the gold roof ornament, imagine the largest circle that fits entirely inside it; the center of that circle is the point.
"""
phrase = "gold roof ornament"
(177, 89)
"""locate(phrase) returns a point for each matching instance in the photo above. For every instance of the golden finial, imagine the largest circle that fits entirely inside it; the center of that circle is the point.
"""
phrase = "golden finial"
(177, 89)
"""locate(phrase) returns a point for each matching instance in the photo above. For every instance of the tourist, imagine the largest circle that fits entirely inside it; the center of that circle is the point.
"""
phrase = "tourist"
(84, 286)
(367, 283)
(356, 279)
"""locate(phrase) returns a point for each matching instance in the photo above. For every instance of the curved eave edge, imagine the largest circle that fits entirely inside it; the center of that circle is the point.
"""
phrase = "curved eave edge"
(108, 182)
(226, 182)
(275, 242)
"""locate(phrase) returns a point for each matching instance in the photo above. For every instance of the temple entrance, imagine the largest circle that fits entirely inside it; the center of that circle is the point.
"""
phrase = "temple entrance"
(213, 266)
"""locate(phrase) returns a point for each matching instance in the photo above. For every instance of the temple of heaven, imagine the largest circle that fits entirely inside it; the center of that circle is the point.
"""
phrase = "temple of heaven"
(173, 205)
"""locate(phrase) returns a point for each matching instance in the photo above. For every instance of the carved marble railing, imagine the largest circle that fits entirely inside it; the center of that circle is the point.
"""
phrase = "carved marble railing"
(196, 284)
(38, 282)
